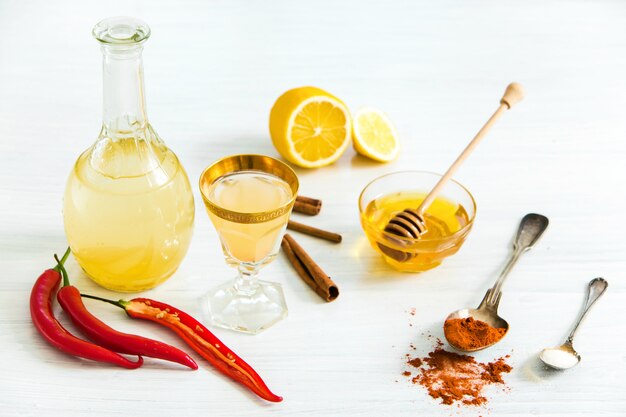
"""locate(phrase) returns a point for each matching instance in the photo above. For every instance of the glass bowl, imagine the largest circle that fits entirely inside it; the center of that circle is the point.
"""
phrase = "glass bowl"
(449, 218)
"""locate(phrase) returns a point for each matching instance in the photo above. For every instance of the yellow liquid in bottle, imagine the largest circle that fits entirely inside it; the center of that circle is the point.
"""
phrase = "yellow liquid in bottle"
(249, 192)
(444, 218)
(128, 233)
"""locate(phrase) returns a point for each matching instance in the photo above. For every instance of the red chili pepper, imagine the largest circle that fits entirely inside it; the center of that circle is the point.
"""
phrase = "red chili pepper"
(103, 335)
(199, 338)
(41, 298)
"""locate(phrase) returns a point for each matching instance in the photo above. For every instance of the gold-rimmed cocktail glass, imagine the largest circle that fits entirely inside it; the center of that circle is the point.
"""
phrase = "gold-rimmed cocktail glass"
(249, 199)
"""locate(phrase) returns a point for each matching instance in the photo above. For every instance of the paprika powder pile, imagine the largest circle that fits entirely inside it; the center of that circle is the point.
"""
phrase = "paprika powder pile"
(471, 334)
(456, 378)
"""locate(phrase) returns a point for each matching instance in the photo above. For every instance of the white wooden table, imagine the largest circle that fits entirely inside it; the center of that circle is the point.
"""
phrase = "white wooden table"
(437, 68)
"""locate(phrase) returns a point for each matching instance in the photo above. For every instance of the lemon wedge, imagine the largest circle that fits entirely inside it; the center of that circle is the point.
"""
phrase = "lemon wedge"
(310, 127)
(374, 135)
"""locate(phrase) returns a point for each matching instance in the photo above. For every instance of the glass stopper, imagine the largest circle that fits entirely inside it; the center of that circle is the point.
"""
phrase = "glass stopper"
(121, 30)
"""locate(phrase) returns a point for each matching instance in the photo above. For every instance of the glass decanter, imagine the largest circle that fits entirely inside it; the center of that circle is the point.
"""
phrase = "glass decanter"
(128, 208)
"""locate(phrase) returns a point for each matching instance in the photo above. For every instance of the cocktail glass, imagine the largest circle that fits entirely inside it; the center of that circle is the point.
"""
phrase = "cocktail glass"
(249, 199)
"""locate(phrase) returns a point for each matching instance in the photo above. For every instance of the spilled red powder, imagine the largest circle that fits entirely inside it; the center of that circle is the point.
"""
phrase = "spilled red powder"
(456, 378)
(416, 362)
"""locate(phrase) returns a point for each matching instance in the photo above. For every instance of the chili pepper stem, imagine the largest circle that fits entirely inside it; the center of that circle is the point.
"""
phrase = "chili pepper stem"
(62, 261)
(119, 303)
(66, 279)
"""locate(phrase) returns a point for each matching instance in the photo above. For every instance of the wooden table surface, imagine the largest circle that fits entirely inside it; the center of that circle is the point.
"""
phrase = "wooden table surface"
(437, 69)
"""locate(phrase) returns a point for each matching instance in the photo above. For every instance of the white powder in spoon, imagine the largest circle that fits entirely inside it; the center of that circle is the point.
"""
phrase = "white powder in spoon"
(559, 358)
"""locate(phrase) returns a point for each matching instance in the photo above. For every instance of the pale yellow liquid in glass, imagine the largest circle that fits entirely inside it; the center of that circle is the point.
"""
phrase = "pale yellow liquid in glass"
(249, 192)
(128, 233)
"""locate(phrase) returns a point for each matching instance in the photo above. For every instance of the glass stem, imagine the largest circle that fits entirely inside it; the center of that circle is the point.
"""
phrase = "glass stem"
(247, 281)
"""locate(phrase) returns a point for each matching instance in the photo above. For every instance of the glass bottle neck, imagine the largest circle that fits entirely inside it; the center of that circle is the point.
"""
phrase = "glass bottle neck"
(124, 105)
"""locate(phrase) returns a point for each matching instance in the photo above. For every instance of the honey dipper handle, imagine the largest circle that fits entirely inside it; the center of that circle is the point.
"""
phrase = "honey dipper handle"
(513, 94)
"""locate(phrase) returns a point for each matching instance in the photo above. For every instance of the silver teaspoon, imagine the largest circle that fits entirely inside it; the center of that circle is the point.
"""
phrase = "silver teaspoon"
(565, 356)
(530, 229)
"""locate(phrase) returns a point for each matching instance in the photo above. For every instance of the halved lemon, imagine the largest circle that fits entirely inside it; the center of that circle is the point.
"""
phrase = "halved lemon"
(374, 135)
(310, 127)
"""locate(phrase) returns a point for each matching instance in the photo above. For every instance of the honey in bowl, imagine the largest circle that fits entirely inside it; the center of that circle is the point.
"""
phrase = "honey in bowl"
(448, 219)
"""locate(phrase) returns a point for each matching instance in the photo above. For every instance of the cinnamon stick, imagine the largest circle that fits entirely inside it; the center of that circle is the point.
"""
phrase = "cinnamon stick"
(309, 271)
(307, 205)
(314, 231)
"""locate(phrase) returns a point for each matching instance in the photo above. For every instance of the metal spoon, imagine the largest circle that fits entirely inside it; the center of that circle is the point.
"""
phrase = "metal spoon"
(565, 356)
(530, 229)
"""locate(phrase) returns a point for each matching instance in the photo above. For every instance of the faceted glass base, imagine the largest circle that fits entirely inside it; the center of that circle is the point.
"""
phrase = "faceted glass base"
(250, 311)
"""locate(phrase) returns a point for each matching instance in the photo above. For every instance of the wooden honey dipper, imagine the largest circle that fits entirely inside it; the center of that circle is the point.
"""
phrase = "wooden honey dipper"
(410, 223)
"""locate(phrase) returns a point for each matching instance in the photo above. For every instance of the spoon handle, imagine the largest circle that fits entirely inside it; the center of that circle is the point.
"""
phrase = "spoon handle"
(595, 289)
(529, 231)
